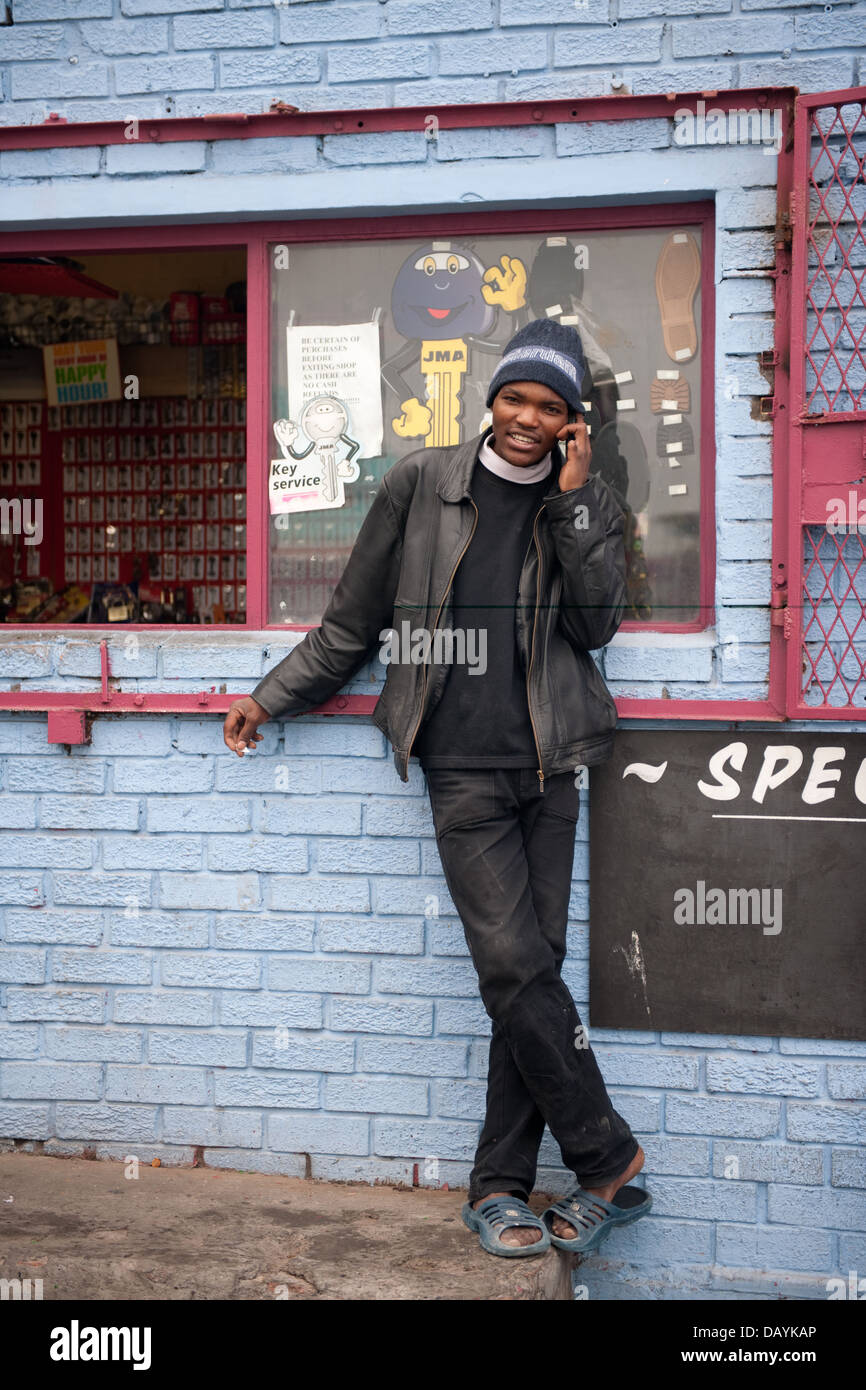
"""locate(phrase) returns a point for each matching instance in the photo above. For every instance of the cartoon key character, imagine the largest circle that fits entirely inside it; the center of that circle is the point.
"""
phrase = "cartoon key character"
(324, 421)
(443, 302)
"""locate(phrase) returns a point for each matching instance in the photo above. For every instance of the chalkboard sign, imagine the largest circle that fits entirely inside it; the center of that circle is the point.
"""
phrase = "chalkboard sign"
(727, 878)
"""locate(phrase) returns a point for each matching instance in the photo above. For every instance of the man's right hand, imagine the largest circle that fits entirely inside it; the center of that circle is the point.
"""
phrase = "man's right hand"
(241, 723)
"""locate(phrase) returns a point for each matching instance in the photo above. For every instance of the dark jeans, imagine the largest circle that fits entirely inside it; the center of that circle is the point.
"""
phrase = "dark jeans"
(507, 851)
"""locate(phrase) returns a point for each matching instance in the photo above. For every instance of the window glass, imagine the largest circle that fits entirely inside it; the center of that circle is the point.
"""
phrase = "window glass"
(383, 347)
(123, 437)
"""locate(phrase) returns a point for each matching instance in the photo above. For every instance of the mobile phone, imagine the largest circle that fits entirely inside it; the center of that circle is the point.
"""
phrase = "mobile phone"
(572, 416)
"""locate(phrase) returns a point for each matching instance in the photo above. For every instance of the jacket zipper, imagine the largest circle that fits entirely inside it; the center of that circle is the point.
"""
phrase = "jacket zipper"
(435, 625)
(540, 768)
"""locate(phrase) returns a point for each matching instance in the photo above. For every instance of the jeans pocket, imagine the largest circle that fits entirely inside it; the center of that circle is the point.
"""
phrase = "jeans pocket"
(459, 797)
(562, 797)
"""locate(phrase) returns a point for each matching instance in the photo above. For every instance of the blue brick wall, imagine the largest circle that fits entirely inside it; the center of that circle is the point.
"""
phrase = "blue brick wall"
(191, 955)
(302, 992)
(103, 59)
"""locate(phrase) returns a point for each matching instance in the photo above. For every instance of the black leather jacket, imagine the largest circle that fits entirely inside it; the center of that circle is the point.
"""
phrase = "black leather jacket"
(402, 566)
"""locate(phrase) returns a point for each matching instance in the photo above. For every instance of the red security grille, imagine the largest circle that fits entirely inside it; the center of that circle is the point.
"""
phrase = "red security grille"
(835, 303)
(834, 621)
(827, 661)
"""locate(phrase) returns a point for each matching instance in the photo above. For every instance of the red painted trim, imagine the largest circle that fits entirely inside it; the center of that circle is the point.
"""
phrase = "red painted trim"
(843, 713)
(781, 557)
(244, 126)
(269, 630)
(800, 183)
(838, 417)
(209, 702)
(158, 702)
(844, 95)
(258, 423)
(66, 726)
(127, 238)
(734, 710)
(707, 450)
(85, 629)
(343, 227)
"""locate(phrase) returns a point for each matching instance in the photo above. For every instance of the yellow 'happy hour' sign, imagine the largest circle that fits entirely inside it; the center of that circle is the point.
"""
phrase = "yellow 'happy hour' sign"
(79, 372)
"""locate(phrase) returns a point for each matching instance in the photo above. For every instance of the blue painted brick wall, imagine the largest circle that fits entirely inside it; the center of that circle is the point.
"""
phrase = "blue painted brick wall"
(305, 989)
(102, 59)
(190, 955)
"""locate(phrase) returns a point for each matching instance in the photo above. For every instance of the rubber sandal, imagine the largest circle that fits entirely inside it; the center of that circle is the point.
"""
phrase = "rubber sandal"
(593, 1217)
(500, 1213)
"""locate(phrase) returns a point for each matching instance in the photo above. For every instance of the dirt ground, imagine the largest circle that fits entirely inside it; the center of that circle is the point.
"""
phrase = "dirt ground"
(89, 1232)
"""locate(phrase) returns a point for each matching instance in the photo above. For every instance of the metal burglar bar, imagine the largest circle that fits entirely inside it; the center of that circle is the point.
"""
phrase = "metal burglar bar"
(835, 305)
(834, 620)
(826, 673)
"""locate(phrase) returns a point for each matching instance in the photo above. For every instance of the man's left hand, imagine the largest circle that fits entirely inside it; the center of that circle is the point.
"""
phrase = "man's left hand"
(575, 471)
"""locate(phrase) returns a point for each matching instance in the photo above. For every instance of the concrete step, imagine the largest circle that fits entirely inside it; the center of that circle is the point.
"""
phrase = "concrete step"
(88, 1231)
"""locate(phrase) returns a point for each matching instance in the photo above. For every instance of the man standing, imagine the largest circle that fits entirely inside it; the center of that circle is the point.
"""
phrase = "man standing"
(504, 535)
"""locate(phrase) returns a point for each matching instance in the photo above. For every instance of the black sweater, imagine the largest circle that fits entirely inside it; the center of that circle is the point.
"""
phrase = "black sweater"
(482, 720)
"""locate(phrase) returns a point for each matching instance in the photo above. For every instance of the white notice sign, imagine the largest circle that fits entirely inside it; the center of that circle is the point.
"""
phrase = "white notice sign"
(335, 414)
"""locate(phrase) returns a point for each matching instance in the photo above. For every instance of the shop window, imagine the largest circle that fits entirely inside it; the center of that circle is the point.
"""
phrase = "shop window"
(384, 345)
(123, 437)
(379, 345)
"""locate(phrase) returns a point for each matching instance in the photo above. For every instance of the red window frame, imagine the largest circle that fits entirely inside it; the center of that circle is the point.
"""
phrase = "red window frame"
(143, 239)
(255, 238)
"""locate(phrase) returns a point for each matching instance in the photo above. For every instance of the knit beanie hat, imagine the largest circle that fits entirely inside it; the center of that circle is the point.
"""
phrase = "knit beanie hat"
(544, 351)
